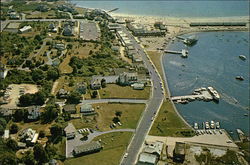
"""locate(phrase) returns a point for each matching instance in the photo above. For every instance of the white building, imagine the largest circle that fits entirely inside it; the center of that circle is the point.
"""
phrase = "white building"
(25, 29)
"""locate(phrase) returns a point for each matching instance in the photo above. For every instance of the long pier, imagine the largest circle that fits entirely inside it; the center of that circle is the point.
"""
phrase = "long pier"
(199, 94)
(183, 52)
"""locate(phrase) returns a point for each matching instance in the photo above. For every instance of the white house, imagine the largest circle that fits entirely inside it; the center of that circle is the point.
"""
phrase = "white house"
(25, 29)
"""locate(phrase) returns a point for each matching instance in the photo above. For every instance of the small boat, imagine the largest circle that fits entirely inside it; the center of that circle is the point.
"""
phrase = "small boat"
(241, 78)
(218, 125)
(242, 57)
(212, 125)
(196, 126)
(206, 125)
(245, 114)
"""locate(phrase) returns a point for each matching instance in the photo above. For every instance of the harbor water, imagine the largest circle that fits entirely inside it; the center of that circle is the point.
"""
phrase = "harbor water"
(185, 8)
(212, 61)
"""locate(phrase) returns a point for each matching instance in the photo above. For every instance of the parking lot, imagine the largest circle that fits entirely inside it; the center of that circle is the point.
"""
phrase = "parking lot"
(89, 31)
(14, 91)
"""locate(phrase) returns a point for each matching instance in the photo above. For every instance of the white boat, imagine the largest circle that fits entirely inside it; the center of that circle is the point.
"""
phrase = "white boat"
(242, 57)
(214, 93)
(218, 125)
(206, 125)
(212, 126)
(196, 126)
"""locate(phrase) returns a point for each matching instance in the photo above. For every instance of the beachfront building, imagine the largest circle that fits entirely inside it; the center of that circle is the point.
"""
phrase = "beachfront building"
(143, 32)
(127, 78)
(147, 159)
(88, 148)
(25, 29)
(52, 28)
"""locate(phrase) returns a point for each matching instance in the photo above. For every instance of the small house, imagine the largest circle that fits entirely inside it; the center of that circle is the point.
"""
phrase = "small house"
(60, 46)
(52, 28)
(29, 136)
(70, 131)
(147, 159)
(62, 94)
(87, 109)
(81, 88)
(68, 31)
(95, 84)
(154, 148)
(3, 71)
(33, 112)
(6, 134)
(179, 152)
(138, 86)
(69, 108)
(25, 29)
(88, 148)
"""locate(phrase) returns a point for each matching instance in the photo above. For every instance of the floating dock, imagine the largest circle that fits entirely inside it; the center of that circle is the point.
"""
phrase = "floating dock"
(183, 52)
(199, 94)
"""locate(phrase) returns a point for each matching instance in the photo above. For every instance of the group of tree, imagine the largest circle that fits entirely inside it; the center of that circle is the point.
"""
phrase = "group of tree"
(118, 114)
(74, 97)
(3, 124)
(20, 115)
(28, 99)
(50, 113)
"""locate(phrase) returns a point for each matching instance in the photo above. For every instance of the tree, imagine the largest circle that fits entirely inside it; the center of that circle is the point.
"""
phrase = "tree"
(1, 130)
(38, 38)
(69, 46)
(25, 100)
(18, 115)
(94, 94)
(3, 122)
(74, 98)
(50, 113)
(40, 154)
(39, 98)
(52, 74)
(28, 158)
(13, 128)
(12, 144)
(103, 83)
(56, 130)
(42, 134)
(116, 119)
(8, 158)
(37, 74)
(118, 113)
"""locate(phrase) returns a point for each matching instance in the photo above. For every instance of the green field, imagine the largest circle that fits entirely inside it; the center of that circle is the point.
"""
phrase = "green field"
(116, 91)
(114, 145)
(168, 123)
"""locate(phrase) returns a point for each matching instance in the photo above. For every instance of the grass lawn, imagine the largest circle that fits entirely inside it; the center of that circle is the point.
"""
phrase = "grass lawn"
(156, 59)
(168, 122)
(114, 145)
(36, 14)
(106, 112)
(116, 91)
(61, 147)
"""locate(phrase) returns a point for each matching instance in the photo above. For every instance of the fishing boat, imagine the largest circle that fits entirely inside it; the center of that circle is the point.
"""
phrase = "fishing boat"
(212, 126)
(218, 125)
(196, 126)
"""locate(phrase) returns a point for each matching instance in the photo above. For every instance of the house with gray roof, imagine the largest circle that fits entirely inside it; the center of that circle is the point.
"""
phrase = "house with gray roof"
(62, 94)
(69, 108)
(95, 84)
(87, 109)
(68, 30)
(33, 112)
(70, 131)
(147, 159)
(127, 78)
(154, 148)
(88, 148)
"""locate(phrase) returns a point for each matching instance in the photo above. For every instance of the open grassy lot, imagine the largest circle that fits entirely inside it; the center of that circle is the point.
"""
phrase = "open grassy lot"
(38, 14)
(116, 91)
(61, 147)
(79, 51)
(114, 145)
(106, 112)
(156, 59)
(168, 122)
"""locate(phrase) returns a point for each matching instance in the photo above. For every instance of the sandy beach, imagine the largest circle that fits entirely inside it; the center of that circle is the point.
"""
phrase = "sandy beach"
(145, 19)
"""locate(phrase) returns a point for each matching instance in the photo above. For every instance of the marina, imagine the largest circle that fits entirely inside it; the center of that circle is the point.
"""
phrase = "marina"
(205, 94)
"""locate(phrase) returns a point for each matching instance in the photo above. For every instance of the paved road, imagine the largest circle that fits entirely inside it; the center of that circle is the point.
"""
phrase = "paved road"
(92, 101)
(152, 108)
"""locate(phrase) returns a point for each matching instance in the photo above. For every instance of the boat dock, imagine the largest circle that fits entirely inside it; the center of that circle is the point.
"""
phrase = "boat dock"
(183, 52)
(199, 94)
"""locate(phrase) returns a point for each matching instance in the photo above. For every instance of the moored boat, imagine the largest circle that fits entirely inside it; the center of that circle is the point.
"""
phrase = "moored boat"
(242, 57)
(241, 78)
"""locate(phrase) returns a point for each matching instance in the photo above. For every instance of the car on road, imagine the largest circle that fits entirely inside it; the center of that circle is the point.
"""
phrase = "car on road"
(125, 155)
